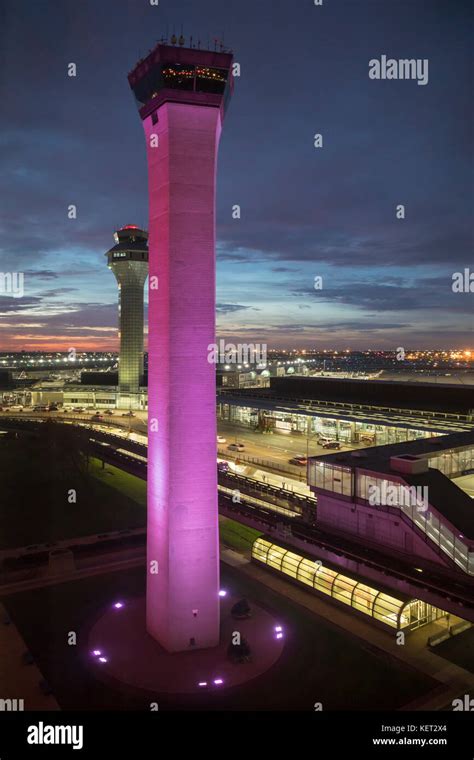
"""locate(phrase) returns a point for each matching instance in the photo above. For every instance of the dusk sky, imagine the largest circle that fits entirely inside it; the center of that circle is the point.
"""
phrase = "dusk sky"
(305, 211)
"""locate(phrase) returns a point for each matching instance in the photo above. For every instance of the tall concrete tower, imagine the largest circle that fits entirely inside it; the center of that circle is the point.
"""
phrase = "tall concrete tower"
(128, 260)
(181, 94)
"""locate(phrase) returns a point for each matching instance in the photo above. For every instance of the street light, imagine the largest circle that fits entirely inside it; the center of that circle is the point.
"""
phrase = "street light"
(308, 437)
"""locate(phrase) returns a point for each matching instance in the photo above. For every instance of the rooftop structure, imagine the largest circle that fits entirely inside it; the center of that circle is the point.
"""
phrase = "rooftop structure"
(402, 496)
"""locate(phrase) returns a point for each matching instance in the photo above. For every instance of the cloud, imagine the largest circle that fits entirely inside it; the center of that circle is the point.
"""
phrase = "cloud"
(229, 308)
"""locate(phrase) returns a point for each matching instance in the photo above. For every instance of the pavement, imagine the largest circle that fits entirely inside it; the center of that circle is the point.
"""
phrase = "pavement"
(18, 680)
(453, 680)
(131, 657)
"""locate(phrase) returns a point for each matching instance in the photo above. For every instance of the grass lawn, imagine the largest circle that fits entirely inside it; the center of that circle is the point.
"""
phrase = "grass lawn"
(130, 485)
(236, 535)
(37, 506)
(232, 533)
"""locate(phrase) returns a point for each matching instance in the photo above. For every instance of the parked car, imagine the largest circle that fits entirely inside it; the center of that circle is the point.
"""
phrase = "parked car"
(236, 447)
(301, 461)
(220, 439)
(222, 467)
(331, 445)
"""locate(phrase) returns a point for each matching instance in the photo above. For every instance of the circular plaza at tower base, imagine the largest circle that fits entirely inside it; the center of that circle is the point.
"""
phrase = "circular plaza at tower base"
(122, 653)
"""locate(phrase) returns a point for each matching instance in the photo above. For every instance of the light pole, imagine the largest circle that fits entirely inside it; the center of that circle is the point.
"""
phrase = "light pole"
(308, 438)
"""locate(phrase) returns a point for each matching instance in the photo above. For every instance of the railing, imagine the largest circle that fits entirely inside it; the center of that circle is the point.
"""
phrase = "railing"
(426, 538)
(267, 463)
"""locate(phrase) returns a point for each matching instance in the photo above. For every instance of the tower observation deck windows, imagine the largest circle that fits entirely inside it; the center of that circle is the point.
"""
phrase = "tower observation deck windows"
(210, 79)
(178, 76)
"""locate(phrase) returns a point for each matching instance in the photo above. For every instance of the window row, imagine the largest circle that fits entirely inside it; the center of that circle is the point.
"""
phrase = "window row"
(347, 590)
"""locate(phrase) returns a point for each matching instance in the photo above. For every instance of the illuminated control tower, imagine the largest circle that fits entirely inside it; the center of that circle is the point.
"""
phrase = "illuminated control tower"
(128, 260)
(182, 94)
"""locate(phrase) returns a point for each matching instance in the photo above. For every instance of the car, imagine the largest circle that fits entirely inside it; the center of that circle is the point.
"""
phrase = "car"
(128, 414)
(220, 439)
(53, 408)
(324, 439)
(236, 447)
(78, 409)
(331, 445)
(301, 461)
(97, 416)
(222, 467)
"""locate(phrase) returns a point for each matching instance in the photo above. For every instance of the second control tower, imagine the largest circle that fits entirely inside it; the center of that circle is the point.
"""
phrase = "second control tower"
(128, 260)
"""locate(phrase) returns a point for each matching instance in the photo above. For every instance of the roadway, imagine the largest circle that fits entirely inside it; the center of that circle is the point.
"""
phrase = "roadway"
(274, 449)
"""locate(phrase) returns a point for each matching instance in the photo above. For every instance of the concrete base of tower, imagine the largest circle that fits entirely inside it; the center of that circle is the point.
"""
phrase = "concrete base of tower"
(122, 653)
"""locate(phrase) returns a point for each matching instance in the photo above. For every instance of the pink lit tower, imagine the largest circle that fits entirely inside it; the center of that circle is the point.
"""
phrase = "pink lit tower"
(182, 94)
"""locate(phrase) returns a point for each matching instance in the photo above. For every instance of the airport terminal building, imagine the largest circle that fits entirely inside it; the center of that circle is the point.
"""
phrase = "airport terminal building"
(405, 497)
(349, 411)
